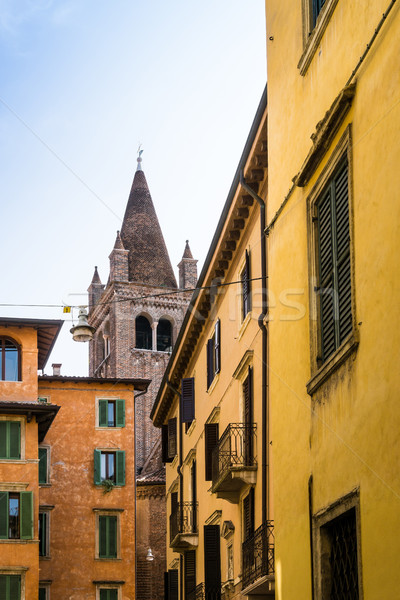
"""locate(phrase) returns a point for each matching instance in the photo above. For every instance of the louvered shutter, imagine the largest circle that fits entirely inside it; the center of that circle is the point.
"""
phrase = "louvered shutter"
(248, 515)
(104, 594)
(42, 594)
(120, 467)
(164, 444)
(113, 595)
(103, 410)
(42, 465)
(211, 431)
(217, 346)
(187, 400)
(97, 467)
(326, 280)
(173, 584)
(212, 562)
(10, 587)
(103, 536)
(210, 362)
(248, 417)
(172, 435)
(190, 573)
(3, 515)
(246, 286)
(112, 537)
(3, 439)
(120, 413)
(343, 253)
(26, 520)
(15, 439)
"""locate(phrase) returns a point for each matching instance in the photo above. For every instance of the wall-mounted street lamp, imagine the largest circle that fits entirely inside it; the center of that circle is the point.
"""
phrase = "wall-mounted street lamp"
(149, 556)
(82, 332)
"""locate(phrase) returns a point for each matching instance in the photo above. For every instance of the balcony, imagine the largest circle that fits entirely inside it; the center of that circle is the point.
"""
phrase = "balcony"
(200, 593)
(183, 527)
(258, 570)
(234, 463)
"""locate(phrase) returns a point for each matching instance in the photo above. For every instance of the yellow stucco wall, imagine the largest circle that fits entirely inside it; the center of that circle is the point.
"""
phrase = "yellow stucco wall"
(346, 434)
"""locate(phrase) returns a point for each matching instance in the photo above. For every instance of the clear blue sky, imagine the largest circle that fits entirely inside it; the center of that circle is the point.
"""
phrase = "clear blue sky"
(82, 84)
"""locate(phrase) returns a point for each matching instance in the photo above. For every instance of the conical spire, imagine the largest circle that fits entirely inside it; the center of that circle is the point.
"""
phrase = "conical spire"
(141, 234)
(96, 276)
(118, 242)
(187, 252)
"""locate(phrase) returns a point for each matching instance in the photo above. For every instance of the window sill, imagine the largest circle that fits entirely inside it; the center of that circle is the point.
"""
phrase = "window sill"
(315, 36)
(44, 557)
(244, 325)
(334, 362)
(213, 384)
(44, 485)
(108, 559)
(19, 541)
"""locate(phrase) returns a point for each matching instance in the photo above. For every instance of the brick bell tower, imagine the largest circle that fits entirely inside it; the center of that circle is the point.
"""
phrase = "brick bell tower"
(136, 327)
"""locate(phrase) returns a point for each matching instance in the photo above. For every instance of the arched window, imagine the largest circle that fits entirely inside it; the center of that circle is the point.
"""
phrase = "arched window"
(10, 360)
(164, 335)
(143, 333)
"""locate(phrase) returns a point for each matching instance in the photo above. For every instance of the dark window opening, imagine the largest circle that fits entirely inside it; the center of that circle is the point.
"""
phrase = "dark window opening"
(316, 9)
(143, 333)
(43, 525)
(111, 413)
(164, 336)
(339, 558)
(13, 516)
(9, 360)
(107, 468)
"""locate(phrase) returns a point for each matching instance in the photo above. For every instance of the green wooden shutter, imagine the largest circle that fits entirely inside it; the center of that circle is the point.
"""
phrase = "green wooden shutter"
(113, 595)
(103, 405)
(15, 439)
(120, 412)
(326, 276)
(345, 323)
(26, 522)
(42, 465)
(120, 467)
(3, 439)
(10, 587)
(97, 467)
(103, 594)
(103, 536)
(112, 537)
(42, 593)
(3, 516)
(43, 534)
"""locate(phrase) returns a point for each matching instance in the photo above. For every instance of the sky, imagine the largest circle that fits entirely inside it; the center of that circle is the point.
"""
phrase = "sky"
(82, 84)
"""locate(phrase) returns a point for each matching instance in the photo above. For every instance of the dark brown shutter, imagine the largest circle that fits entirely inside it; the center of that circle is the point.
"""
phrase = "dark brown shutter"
(172, 434)
(210, 362)
(164, 444)
(212, 562)
(211, 431)
(190, 574)
(217, 346)
(248, 515)
(173, 584)
(246, 287)
(248, 418)
(187, 400)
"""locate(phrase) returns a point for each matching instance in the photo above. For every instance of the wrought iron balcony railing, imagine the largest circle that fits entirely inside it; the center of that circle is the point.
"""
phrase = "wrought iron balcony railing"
(235, 451)
(201, 593)
(258, 554)
(183, 521)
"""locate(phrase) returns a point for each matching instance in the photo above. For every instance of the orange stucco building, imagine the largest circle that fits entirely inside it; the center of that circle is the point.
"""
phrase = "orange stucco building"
(67, 484)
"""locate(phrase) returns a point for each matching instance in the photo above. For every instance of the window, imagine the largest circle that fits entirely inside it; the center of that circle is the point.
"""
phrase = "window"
(10, 440)
(144, 334)
(164, 336)
(43, 593)
(248, 516)
(16, 516)
(214, 354)
(169, 440)
(111, 413)
(245, 277)
(187, 400)
(10, 587)
(109, 465)
(316, 9)
(211, 431)
(334, 268)
(337, 546)
(10, 359)
(108, 594)
(108, 536)
(44, 464)
(316, 16)
(44, 533)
